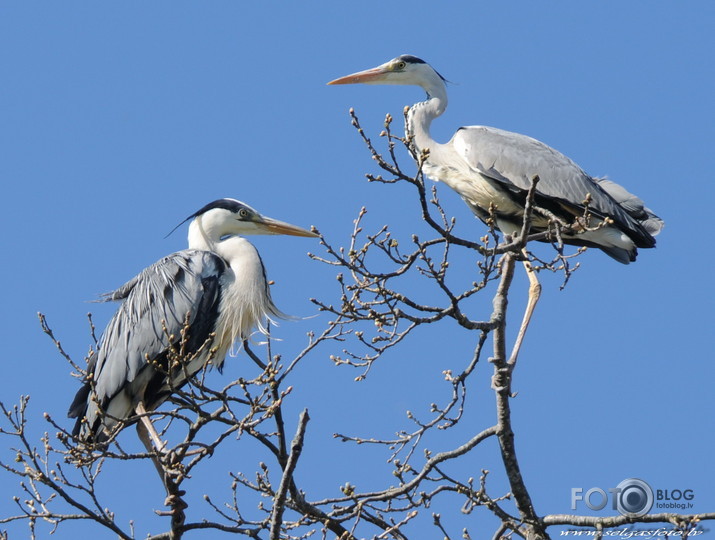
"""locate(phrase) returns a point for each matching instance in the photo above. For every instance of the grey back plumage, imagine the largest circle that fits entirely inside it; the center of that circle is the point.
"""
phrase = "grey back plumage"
(155, 306)
(512, 160)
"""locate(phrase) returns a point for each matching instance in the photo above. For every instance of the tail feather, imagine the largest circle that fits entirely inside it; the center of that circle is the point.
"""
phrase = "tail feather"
(623, 256)
(650, 223)
(653, 224)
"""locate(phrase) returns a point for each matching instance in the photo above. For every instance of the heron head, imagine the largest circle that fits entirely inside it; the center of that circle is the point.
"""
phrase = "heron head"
(405, 69)
(229, 217)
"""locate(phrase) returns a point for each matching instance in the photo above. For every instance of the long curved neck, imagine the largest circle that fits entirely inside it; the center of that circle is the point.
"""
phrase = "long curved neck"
(420, 116)
(202, 235)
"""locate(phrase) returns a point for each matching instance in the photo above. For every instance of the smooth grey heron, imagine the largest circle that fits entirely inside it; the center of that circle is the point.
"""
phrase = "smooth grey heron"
(490, 167)
(216, 290)
(492, 170)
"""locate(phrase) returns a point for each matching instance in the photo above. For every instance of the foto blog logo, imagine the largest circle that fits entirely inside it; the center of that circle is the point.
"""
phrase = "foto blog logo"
(632, 497)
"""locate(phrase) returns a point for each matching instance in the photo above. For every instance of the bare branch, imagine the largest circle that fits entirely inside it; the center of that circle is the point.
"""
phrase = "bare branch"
(280, 497)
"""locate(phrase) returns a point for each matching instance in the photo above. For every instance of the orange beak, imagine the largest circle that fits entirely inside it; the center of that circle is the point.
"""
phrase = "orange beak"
(273, 226)
(374, 75)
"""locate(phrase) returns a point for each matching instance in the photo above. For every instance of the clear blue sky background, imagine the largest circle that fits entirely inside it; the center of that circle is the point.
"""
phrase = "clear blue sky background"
(117, 120)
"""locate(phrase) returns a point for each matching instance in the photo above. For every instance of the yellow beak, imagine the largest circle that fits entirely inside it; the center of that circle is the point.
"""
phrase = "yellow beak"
(273, 226)
(374, 75)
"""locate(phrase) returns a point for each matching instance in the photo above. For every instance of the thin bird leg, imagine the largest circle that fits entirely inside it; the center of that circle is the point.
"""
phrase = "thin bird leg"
(534, 294)
(149, 441)
(145, 438)
(150, 429)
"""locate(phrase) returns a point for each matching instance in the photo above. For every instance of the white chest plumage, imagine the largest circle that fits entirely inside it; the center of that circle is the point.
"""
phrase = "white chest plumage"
(245, 299)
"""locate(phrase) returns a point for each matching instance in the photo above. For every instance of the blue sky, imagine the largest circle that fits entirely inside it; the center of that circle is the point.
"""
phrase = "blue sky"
(117, 120)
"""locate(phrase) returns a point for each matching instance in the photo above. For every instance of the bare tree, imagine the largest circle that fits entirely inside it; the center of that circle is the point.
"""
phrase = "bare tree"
(374, 313)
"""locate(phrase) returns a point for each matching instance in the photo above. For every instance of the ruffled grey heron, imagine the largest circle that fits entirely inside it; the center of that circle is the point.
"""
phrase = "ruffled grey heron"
(216, 290)
(493, 169)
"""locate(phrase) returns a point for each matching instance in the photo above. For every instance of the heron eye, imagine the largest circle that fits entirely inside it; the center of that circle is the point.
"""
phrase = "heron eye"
(243, 213)
(401, 65)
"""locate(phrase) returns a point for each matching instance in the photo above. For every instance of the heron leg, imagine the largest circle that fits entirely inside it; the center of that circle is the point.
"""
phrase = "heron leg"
(151, 441)
(145, 438)
(156, 449)
(534, 294)
(149, 427)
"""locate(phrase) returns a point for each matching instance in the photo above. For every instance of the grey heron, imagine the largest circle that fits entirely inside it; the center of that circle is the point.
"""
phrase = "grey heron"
(492, 170)
(491, 167)
(216, 290)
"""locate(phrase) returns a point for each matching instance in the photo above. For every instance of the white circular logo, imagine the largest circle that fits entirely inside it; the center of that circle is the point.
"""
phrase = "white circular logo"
(634, 497)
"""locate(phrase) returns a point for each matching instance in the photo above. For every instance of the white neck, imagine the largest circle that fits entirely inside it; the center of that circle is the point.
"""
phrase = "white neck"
(421, 114)
(203, 235)
(245, 300)
(207, 234)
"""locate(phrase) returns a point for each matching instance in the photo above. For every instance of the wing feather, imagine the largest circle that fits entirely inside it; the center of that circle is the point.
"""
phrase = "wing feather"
(513, 160)
(155, 306)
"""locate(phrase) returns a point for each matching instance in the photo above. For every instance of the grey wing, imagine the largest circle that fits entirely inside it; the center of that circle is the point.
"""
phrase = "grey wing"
(156, 305)
(513, 159)
(633, 205)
